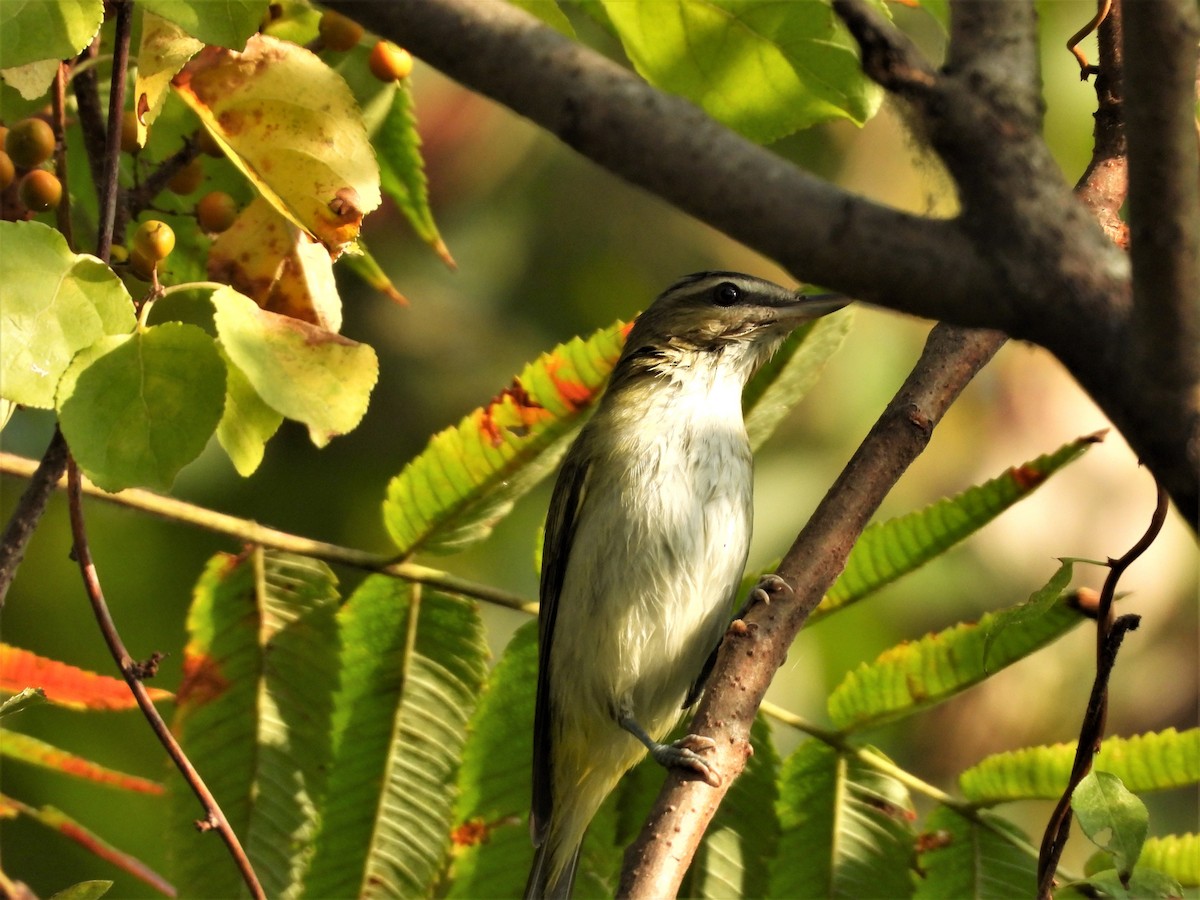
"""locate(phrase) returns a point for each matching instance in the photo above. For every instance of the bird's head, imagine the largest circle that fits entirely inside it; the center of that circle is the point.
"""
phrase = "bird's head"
(727, 317)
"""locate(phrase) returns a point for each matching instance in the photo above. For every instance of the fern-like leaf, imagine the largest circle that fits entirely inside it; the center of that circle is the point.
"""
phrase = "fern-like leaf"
(413, 662)
(915, 675)
(1178, 855)
(846, 829)
(1148, 762)
(467, 478)
(887, 550)
(985, 860)
(253, 714)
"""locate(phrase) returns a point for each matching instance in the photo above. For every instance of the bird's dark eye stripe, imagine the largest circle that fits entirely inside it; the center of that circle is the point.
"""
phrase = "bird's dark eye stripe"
(725, 294)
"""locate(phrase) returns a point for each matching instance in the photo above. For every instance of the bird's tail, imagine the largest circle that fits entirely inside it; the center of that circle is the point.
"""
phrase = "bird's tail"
(544, 883)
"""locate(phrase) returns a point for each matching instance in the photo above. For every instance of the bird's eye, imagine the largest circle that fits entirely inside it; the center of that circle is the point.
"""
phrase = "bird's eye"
(726, 294)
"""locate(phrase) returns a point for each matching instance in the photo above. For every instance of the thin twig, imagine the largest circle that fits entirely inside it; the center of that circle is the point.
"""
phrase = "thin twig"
(44, 477)
(249, 532)
(132, 672)
(59, 124)
(1109, 635)
(110, 187)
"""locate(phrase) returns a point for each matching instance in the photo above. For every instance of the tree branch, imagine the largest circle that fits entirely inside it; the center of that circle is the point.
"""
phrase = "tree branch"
(248, 532)
(1024, 257)
(752, 652)
(1160, 41)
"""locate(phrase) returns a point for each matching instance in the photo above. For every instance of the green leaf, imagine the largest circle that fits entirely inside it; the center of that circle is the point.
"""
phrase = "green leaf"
(402, 169)
(137, 408)
(1039, 603)
(22, 700)
(467, 478)
(915, 675)
(83, 890)
(1178, 855)
(71, 829)
(492, 852)
(307, 374)
(27, 749)
(845, 829)
(34, 30)
(253, 713)
(962, 858)
(1112, 817)
(247, 422)
(55, 303)
(1143, 884)
(413, 663)
(890, 549)
(742, 841)
(226, 23)
(550, 14)
(761, 67)
(1155, 761)
(791, 373)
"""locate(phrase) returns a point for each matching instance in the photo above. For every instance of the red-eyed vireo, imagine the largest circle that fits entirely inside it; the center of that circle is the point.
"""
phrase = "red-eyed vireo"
(646, 539)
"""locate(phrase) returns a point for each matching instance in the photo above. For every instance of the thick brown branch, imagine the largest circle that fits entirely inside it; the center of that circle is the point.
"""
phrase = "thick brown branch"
(1024, 257)
(1160, 41)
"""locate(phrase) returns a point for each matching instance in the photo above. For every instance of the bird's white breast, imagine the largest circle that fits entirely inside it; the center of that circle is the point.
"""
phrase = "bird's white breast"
(652, 572)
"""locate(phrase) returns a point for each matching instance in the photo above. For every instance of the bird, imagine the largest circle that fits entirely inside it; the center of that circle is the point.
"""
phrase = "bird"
(646, 538)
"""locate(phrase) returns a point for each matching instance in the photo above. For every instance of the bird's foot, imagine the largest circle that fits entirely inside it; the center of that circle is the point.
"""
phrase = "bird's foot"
(685, 754)
(682, 754)
(768, 586)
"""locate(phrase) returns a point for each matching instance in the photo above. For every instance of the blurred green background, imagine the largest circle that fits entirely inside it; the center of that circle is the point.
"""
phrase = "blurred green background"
(549, 246)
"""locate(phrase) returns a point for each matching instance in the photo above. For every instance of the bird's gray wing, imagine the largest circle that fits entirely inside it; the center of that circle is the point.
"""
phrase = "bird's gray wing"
(568, 496)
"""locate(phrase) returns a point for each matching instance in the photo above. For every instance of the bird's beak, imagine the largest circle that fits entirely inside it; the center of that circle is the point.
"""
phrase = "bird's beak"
(811, 306)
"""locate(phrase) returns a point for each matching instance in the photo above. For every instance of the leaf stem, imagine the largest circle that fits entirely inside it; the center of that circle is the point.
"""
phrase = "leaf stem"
(252, 533)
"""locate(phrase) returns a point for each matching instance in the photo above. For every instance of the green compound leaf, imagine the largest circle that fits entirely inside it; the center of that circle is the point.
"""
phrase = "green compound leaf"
(137, 408)
(34, 30)
(791, 373)
(1112, 817)
(915, 675)
(735, 857)
(84, 890)
(402, 169)
(467, 478)
(888, 550)
(492, 853)
(413, 663)
(846, 829)
(1148, 762)
(313, 376)
(1177, 855)
(53, 303)
(226, 23)
(962, 858)
(253, 714)
(761, 67)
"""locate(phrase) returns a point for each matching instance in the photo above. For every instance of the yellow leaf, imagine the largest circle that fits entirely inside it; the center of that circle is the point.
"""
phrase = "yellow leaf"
(277, 265)
(290, 123)
(165, 48)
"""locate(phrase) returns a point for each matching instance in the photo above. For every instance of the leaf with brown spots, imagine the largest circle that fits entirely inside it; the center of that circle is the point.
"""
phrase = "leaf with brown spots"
(466, 480)
(278, 266)
(164, 50)
(291, 124)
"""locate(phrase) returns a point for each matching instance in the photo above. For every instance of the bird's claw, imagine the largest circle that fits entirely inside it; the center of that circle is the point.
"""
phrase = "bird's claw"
(768, 585)
(685, 754)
